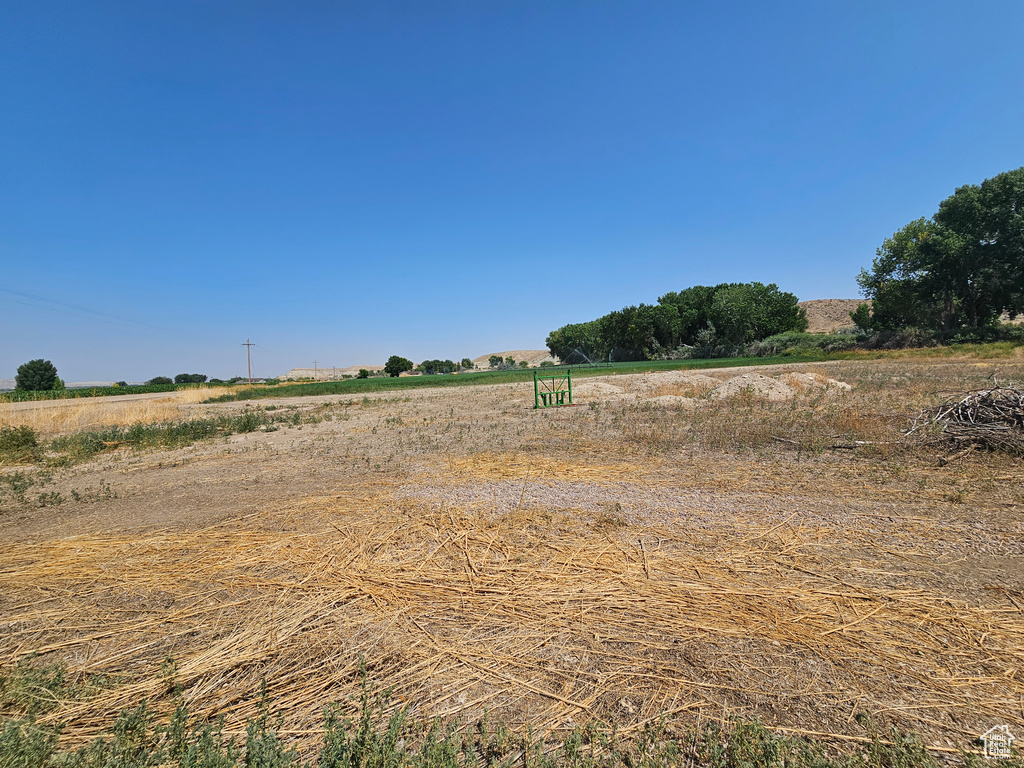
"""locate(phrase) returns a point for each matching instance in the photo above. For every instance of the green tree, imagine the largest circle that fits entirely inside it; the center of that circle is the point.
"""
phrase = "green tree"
(466, 364)
(731, 313)
(745, 312)
(636, 332)
(162, 380)
(397, 365)
(692, 306)
(36, 376)
(494, 361)
(190, 378)
(363, 374)
(960, 269)
(430, 367)
(861, 317)
(576, 343)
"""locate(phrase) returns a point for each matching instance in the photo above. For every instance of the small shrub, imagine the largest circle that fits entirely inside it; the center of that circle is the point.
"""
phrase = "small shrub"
(18, 444)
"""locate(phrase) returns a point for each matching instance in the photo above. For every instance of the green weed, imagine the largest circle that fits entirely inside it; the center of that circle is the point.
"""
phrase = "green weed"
(18, 445)
(383, 735)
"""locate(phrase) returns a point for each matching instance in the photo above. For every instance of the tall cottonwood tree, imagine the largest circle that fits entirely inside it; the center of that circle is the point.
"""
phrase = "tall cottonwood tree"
(961, 268)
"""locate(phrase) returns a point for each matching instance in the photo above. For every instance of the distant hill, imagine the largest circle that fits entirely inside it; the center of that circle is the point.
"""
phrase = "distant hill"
(828, 315)
(533, 356)
(327, 374)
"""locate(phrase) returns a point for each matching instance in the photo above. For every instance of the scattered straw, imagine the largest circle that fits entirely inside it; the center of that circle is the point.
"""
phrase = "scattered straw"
(552, 621)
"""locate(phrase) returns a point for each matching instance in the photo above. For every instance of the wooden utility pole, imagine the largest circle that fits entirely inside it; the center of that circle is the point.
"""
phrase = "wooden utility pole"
(248, 357)
(314, 370)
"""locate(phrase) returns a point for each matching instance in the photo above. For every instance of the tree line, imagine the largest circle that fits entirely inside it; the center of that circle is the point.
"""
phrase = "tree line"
(729, 314)
(949, 276)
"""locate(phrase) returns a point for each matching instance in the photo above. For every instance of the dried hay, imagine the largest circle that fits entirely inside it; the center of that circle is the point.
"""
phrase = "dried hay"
(50, 417)
(504, 466)
(64, 416)
(541, 619)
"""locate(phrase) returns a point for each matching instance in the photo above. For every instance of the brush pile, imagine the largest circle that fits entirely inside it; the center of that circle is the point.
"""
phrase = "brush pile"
(988, 418)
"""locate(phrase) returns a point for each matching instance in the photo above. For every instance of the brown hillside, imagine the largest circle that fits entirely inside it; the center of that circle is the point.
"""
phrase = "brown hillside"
(533, 356)
(827, 315)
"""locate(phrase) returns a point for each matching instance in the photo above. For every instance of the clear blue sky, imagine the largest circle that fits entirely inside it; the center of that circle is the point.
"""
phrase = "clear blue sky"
(343, 181)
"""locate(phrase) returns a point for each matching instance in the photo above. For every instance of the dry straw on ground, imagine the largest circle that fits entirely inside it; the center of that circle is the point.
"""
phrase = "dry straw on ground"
(540, 617)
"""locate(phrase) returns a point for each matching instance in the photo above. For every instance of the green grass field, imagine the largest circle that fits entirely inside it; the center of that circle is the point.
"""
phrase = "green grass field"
(386, 384)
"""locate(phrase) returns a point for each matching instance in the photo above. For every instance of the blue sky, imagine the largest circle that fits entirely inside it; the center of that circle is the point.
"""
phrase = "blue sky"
(343, 181)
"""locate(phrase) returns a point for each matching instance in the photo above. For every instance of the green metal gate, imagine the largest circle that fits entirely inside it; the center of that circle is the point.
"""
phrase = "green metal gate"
(552, 391)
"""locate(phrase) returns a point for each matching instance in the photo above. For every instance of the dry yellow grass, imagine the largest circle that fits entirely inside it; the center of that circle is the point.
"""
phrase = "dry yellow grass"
(50, 417)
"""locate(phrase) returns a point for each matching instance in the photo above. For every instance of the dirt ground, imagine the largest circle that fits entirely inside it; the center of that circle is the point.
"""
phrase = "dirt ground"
(656, 551)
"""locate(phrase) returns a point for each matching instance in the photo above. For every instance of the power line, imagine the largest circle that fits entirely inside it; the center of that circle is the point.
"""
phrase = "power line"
(61, 307)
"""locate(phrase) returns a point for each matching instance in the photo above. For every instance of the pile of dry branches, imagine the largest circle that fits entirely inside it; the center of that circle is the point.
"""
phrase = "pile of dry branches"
(990, 418)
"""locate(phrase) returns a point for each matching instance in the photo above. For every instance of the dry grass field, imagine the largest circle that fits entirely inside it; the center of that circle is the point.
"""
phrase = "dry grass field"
(667, 550)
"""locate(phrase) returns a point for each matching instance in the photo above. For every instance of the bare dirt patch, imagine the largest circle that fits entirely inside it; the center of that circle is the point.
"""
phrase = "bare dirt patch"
(829, 315)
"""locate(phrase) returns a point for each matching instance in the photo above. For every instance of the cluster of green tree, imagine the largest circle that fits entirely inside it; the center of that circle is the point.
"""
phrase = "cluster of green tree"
(962, 268)
(505, 363)
(729, 314)
(395, 366)
(37, 376)
(190, 378)
(430, 367)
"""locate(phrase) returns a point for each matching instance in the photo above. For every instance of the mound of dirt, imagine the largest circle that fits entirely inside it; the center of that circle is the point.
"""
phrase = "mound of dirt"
(828, 315)
(686, 388)
(590, 388)
(677, 383)
(805, 381)
(757, 385)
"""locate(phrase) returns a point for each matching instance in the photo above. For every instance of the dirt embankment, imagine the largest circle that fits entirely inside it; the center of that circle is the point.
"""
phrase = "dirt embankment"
(829, 315)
